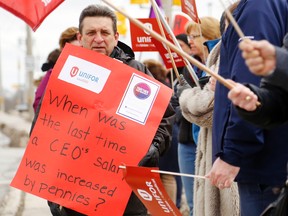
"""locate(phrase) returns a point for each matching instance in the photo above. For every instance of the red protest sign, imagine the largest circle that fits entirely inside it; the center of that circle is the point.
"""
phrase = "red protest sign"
(94, 111)
(142, 40)
(189, 7)
(164, 53)
(180, 20)
(149, 189)
(31, 11)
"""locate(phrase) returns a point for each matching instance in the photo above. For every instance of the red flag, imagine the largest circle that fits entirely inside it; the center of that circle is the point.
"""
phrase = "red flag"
(143, 42)
(180, 20)
(189, 7)
(149, 189)
(31, 11)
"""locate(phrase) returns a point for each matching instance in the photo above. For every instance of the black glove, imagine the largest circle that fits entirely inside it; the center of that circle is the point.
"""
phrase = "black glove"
(151, 159)
(55, 209)
(183, 84)
(203, 81)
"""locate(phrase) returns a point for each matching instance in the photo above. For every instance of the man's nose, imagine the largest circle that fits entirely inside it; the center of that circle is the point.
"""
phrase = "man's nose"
(98, 38)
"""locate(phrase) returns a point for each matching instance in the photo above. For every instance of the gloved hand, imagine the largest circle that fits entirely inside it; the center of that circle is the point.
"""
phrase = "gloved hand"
(55, 209)
(183, 84)
(203, 81)
(151, 159)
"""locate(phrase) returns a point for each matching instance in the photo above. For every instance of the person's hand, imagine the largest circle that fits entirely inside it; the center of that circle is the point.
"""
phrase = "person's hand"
(260, 56)
(151, 159)
(243, 97)
(183, 84)
(222, 174)
(212, 83)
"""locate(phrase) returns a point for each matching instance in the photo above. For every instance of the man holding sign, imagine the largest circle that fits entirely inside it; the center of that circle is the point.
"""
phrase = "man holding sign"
(98, 32)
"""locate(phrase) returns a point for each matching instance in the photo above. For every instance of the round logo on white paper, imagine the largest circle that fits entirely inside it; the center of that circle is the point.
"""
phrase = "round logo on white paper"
(142, 91)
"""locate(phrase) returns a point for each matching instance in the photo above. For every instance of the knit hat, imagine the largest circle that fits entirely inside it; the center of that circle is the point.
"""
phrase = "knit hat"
(51, 60)
(183, 37)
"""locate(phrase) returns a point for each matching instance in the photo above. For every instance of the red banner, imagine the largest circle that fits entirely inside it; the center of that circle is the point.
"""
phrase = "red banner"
(142, 41)
(149, 189)
(180, 20)
(165, 55)
(31, 11)
(94, 111)
(189, 7)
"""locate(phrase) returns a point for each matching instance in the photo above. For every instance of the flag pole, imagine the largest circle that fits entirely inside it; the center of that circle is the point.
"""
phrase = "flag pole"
(233, 21)
(157, 14)
(173, 47)
(178, 174)
(172, 173)
(187, 63)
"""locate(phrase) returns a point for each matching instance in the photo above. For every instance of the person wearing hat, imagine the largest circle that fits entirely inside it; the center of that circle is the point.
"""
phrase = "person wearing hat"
(51, 60)
(183, 42)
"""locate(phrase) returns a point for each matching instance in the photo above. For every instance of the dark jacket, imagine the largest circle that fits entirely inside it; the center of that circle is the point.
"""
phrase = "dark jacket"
(161, 139)
(273, 94)
(260, 154)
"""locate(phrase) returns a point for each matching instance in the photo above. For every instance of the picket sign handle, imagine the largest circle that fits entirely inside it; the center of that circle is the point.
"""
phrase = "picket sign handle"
(157, 14)
(171, 173)
(158, 37)
(178, 174)
(233, 21)
(175, 41)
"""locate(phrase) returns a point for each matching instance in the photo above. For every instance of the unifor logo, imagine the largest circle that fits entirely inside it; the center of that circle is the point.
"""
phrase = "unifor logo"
(142, 90)
(149, 26)
(74, 70)
(144, 194)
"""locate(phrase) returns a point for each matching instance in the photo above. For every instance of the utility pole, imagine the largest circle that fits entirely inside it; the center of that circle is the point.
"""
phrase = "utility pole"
(2, 96)
(210, 7)
(167, 7)
(29, 62)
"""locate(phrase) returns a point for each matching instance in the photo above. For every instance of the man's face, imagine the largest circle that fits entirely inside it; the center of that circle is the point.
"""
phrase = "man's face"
(97, 34)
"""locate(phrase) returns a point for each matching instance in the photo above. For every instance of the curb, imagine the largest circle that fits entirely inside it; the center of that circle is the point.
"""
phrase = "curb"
(12, 203)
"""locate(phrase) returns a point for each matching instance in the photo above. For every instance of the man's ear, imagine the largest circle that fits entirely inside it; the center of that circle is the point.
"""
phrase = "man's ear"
(79, 37)
(116, 38)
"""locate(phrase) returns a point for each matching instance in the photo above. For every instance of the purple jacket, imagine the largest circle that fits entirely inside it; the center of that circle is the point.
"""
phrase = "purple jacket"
(40, 90)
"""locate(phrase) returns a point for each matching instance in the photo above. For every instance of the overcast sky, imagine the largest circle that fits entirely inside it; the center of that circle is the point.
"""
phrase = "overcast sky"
(45, 39)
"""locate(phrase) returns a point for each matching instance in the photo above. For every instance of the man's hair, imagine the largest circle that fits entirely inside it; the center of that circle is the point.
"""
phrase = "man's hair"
(98, 11)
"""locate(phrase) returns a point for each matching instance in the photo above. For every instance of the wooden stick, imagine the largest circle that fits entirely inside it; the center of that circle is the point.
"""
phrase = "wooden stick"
(157, 14)
(178, 174)
(187, 63)
(171, 173)
(233, 21)
(154, 34)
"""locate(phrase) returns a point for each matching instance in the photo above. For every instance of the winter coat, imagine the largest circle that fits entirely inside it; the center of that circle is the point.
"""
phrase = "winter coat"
(197, 107)
(260, 154)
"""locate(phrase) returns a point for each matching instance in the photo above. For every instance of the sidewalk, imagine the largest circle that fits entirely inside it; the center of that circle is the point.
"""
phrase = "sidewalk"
(20, 203)
(14, 202)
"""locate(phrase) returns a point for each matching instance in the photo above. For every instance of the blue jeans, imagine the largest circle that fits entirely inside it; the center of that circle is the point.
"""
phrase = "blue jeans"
(254, 198)
(179, 191)
(186, 158)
